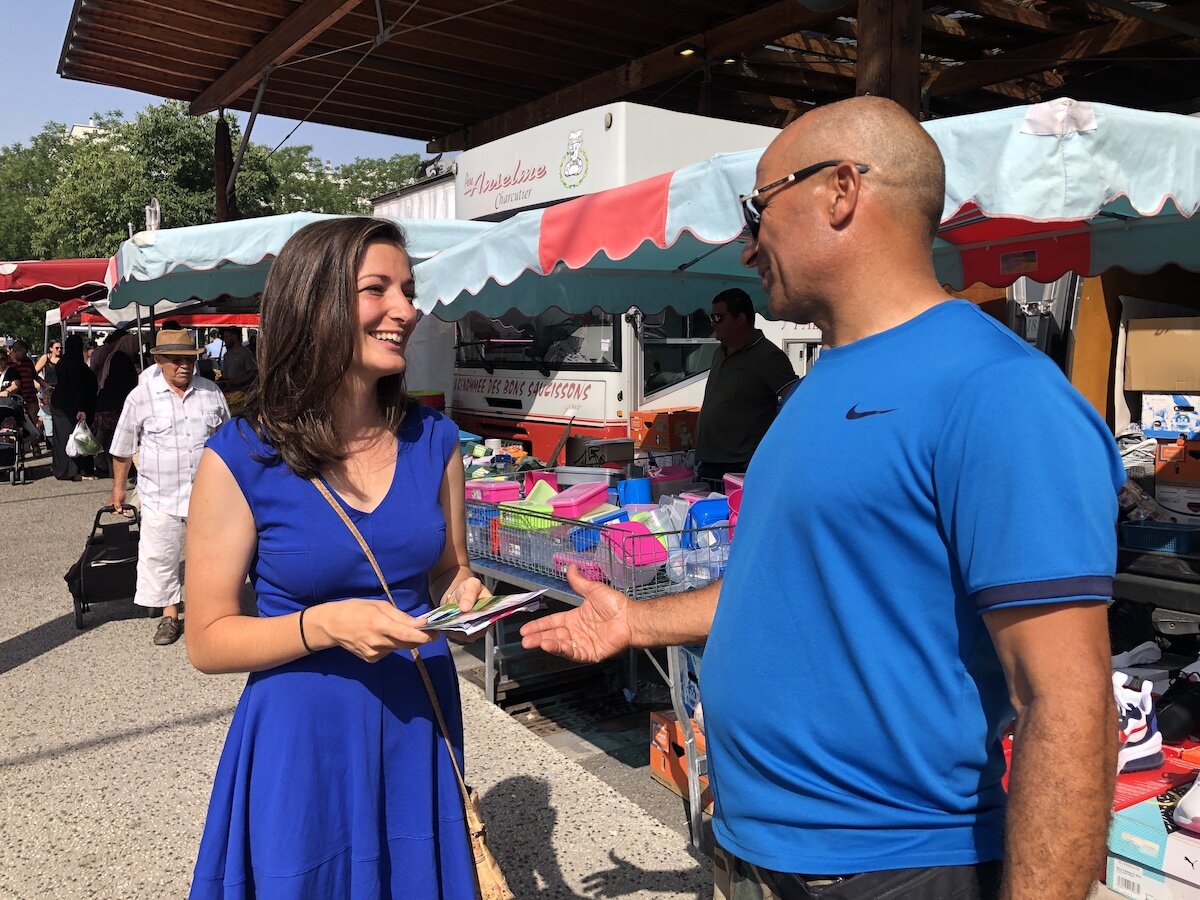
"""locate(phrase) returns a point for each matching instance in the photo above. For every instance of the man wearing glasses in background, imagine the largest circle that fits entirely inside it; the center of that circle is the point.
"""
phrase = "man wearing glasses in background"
(167, 419)
(902, 581)
(741, 396)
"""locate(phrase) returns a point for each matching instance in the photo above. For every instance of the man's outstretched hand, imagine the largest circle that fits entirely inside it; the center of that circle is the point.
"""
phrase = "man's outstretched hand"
(597, 629)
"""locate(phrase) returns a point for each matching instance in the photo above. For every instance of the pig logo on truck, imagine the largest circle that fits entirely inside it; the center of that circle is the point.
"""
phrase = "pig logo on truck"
(574, 165)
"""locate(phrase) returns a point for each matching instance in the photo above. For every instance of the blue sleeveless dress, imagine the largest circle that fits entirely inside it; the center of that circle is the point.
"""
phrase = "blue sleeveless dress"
(334, 781)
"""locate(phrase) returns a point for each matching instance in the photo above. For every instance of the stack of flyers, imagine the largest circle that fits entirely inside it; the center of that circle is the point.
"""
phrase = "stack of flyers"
(488, 610)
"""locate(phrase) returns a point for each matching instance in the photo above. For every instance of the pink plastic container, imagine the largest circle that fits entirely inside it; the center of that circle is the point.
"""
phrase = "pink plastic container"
(532, 478)
(579, 499)
(493, 491)
(735, 508)
(634, 544)
(734, 481)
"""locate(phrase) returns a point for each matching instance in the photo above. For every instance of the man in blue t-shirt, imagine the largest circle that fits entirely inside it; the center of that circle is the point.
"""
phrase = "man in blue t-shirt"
(925, 546)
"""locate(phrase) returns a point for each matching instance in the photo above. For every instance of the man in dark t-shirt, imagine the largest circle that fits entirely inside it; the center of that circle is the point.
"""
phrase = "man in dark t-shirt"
(742, 394)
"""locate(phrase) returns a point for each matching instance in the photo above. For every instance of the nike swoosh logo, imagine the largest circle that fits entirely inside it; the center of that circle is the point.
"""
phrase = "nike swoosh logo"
(855, 413)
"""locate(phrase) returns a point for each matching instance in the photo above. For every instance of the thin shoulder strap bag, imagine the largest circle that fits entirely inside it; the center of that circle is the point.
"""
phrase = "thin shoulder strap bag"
(489, 880)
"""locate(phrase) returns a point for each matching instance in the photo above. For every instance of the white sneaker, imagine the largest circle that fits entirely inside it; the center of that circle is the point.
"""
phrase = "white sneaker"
(1141, 741)
(1187, 811)
(1145, 652)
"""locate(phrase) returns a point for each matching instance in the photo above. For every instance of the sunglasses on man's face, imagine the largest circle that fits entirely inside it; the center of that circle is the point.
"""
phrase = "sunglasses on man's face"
(177, 360)
(752, 212)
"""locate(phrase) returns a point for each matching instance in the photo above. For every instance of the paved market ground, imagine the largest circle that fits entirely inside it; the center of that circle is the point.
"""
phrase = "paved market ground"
(110, 745)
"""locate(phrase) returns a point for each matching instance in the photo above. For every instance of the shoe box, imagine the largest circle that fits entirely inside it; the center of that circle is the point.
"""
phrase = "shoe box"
(672, 428)
(1149, 856)
(668, 763)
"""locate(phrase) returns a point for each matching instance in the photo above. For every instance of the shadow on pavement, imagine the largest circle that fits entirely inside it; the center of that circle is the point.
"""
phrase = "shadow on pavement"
(16, 651)
(521, 824)
(107, 741)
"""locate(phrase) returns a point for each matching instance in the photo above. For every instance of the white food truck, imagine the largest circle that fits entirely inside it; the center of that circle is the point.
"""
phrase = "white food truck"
(526, 378)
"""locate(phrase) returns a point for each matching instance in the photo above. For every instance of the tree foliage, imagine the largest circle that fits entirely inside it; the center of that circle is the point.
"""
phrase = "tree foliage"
(62, 197)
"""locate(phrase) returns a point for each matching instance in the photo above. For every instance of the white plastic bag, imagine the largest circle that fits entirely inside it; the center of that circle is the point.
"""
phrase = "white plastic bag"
(82, 442)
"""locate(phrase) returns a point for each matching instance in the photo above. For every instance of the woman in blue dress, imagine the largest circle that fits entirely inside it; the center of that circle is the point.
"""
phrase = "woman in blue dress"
(334, 781)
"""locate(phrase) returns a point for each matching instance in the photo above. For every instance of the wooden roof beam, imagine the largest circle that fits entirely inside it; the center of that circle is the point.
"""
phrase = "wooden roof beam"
(1159, 18)
(663, 64)
(296, 31)
(1091, 42)
(1010, 12)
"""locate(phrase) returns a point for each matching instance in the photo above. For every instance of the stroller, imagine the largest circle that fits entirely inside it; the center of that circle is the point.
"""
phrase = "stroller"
(13, 437)
(107, 570)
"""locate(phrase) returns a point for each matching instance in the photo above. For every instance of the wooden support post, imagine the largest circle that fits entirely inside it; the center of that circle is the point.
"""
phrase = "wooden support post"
(889, 51)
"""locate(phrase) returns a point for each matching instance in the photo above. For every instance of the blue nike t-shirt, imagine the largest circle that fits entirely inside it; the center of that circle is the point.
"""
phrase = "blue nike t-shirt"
(853, 700)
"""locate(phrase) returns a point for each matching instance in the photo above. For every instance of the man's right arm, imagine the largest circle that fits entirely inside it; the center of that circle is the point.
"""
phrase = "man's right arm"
(120, 472)
(607, 622)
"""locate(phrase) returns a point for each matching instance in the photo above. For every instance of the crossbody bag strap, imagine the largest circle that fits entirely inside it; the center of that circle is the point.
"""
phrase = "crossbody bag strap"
(437, 707)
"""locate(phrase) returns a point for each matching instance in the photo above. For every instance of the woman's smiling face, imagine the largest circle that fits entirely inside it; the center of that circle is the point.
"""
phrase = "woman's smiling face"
(386, 314)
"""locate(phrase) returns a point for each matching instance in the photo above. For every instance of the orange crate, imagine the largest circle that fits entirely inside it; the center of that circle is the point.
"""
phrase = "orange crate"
(668, 763)
(673, 428)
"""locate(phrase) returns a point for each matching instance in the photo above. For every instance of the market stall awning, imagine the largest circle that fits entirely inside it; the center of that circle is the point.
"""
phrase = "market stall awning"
(1067, 186)
(52, 279)
(1034, 190)
(204, 262)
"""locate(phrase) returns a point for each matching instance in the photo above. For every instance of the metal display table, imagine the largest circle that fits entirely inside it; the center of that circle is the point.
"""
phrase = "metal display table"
(502, 643)
(499, 648)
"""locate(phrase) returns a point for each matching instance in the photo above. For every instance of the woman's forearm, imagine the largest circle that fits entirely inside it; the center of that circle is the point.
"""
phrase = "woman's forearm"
(240, 643)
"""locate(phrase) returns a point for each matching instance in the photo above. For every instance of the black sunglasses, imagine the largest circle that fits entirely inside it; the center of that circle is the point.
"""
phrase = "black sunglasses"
(753, 213)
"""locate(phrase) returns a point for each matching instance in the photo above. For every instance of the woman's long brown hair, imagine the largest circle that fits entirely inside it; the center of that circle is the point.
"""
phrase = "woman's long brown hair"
(306, 342)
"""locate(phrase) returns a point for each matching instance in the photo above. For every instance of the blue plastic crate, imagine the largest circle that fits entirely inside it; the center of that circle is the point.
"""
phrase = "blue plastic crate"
(1162, 537)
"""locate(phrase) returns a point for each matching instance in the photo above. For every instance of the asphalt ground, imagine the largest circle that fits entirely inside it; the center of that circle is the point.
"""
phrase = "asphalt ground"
(110, 744)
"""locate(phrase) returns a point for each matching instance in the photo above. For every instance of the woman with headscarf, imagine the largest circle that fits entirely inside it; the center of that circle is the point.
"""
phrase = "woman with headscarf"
(73, 400)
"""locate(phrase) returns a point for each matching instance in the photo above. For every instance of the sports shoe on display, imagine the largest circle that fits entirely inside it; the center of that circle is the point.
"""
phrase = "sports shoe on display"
(1187, 811)
(1179, 707)
(1145, 652)
(1141, 742)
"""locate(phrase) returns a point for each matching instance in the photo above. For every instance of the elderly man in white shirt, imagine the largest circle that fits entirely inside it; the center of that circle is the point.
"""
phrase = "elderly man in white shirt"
(167, 419)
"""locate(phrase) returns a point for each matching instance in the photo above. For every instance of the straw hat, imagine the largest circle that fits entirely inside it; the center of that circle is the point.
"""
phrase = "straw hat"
(174, 343)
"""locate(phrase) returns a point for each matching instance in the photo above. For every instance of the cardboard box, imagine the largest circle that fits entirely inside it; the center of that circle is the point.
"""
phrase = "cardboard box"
(673, 428)
(1160, 355)
(1181, 501)
(668, 764)
(1149, 858)
(1177, 461)
(1171, 416)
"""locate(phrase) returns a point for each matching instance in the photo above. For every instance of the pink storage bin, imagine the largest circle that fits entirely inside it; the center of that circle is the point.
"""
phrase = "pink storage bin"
(635, 556)
(734, 481)
(493, 491)
(579, 499)
(587, 565)
(634, 544)
(735, 507)
(532, 478)
(697, 496)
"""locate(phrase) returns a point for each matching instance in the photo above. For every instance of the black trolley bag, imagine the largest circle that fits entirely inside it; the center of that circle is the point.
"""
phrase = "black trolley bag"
(107, 570)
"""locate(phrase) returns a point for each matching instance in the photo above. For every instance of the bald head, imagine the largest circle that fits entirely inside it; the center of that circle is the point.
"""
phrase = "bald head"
(906, 166)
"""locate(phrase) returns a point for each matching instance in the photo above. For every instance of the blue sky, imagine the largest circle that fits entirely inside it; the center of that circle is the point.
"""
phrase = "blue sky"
(34, 93)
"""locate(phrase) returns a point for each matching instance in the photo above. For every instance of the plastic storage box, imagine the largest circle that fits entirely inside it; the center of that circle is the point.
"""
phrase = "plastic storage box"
(583, 539)
(573, 502)
(493, 491)
(568, 475)
(1162, 537)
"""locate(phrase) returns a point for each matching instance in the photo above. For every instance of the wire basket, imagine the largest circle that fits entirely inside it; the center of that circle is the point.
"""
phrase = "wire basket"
(639, 565)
